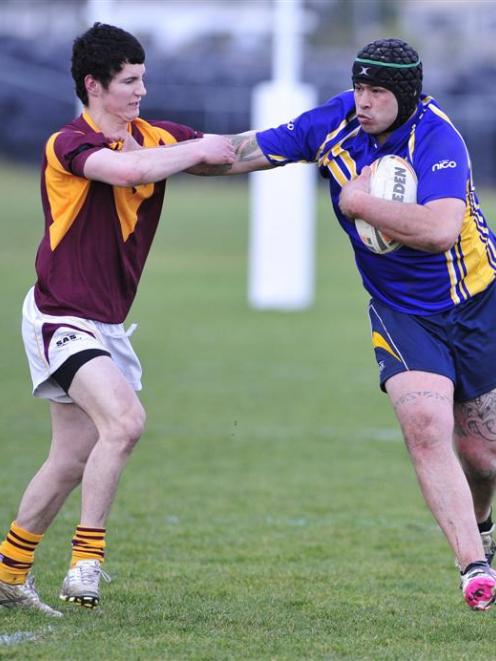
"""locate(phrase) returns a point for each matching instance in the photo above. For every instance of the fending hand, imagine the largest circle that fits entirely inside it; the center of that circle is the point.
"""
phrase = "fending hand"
(123, 142)
(217, 149)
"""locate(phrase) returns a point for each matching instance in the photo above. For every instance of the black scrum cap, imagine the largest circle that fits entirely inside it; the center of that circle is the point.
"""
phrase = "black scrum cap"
(395, 65)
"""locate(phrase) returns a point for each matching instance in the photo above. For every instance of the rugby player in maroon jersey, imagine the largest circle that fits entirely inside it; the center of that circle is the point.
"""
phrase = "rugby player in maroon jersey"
(103, 184)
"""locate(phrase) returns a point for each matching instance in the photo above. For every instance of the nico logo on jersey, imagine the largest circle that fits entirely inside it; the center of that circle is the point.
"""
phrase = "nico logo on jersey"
(442, 165)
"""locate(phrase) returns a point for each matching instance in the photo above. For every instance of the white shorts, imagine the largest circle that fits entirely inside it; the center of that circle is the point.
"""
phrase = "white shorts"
(50, 340)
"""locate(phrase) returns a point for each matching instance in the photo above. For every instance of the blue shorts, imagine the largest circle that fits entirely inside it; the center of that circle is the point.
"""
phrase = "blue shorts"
(459, 343)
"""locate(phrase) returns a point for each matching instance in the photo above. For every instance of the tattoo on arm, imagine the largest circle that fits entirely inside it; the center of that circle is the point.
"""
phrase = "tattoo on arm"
(247, 150)
(415, 396)
(246, 147)
(477, 417)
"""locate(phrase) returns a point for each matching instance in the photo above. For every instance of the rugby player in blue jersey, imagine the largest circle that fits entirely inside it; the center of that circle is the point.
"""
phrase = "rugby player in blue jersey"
(433, 300)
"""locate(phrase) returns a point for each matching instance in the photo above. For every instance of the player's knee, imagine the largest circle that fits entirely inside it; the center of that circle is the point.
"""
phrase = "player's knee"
(478, 460)
(127, 430)
(135, 426)
(426, 432)
(75, 472)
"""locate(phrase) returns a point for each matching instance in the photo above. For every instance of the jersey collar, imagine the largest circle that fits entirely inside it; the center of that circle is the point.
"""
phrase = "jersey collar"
(85, 115)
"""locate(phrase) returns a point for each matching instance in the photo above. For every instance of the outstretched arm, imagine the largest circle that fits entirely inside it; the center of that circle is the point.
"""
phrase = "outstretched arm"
(249, 157)
(134, 166)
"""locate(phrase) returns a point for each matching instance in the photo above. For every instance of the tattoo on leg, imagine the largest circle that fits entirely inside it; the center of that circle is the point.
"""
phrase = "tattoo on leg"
(414, 396)
(477, 417)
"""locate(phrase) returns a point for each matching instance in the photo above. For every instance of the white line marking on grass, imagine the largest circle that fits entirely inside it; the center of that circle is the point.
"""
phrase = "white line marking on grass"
(9, 639)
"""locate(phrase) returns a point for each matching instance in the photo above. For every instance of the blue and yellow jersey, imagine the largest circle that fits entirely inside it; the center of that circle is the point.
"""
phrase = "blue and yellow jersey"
(409, 280)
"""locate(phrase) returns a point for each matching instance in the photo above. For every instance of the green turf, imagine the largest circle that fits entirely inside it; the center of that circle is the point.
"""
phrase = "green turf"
(270, 511)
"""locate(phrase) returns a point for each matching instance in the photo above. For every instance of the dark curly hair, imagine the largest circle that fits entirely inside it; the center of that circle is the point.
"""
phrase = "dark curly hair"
(102, 52)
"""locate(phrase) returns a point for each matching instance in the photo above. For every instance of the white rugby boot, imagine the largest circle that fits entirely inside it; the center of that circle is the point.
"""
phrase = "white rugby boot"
(24, 595)
(82, 583)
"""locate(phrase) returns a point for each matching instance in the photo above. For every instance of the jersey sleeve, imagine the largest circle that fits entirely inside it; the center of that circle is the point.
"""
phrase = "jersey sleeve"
(442, 165)
(301, 139)
(67, 151)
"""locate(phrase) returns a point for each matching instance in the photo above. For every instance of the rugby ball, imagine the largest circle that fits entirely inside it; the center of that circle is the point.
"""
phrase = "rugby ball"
(392, 178)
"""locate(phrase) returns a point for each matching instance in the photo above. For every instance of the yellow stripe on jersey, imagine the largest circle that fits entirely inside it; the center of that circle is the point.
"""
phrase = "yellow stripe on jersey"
(379, 342)
(475, 260)
(129, 200)
(411, 140)
(276, 158)
(66, 194)
(337, 173)
(349, 162)
(328, 160)
(452, 276)
(469, 263)
(333, 134)
(336, 168)
(460, 292)
(440, 113)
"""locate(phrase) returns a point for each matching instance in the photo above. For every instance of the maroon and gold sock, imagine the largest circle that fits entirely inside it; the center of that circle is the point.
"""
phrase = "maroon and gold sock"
(88, 544)
(17, 554)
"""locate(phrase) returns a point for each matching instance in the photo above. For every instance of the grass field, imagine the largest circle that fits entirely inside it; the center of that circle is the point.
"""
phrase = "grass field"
(270, 511)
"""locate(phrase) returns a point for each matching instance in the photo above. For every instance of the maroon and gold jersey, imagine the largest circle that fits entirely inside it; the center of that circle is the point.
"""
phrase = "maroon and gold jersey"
(97, 236)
